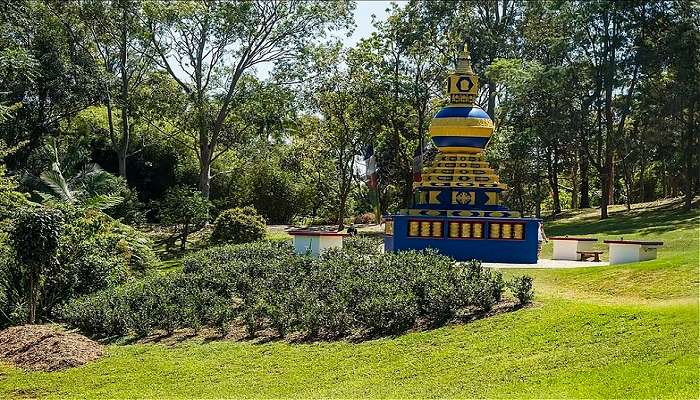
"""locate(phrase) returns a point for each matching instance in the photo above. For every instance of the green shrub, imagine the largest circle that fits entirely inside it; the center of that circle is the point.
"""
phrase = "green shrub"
(266, 285)
(484, 286)
(95, 252)
(238, 225)
(386, 302)
(13, 299)
(185, 208)
(106, 236)
(521, 288)
(363, 244)
(103, 313)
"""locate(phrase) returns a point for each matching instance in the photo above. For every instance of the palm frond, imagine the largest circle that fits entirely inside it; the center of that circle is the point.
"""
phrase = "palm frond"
(102, 201)
(54, 179)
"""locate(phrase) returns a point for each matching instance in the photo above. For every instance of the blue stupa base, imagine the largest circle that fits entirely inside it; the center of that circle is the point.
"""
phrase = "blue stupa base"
(492, 241)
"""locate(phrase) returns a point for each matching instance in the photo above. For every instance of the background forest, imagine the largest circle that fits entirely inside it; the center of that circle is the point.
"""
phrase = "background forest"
(255, 103)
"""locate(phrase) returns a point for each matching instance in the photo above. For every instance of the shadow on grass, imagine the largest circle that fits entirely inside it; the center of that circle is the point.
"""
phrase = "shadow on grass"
(649, 221)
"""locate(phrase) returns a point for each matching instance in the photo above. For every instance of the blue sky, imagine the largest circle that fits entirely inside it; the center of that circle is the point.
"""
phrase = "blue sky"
(363, 20)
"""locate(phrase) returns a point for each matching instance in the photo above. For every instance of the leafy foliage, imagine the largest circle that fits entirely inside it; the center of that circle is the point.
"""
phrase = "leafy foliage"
(186, 208)
(521, 287)
(35, 239)
(266, 285)
(363, 244)
(238, 225)
(94, 252)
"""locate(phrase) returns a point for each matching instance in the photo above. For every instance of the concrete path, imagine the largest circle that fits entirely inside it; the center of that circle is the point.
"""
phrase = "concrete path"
(548, 264)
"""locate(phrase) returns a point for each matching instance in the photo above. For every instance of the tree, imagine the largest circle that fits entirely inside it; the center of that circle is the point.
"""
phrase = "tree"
(52, 80)
(607, 33)
(186, 208)
(347, 122)
(114, 45)
(207, 46)
(35, 239)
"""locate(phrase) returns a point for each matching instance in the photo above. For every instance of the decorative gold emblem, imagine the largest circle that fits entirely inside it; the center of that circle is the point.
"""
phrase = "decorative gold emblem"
(463, 198)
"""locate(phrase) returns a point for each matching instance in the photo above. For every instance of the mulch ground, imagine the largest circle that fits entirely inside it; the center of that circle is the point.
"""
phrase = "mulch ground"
(46, 348)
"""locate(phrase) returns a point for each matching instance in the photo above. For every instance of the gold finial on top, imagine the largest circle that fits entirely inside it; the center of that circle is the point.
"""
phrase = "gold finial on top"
(463, 83)
(464, 62)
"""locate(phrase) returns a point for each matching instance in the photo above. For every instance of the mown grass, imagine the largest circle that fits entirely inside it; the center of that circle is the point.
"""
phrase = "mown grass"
(627, 331)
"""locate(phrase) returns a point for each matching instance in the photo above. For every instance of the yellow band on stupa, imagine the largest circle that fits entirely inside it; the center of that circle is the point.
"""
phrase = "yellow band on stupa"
(471, 131)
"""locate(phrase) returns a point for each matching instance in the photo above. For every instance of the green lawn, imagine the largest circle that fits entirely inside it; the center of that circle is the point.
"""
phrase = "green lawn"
(621, 331)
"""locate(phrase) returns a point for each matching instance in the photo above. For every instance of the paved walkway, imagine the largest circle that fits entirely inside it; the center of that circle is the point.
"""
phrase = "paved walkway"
(548, 264)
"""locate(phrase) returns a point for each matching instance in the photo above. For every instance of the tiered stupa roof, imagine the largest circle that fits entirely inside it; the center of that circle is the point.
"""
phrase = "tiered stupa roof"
(460, 178)
(456, 207)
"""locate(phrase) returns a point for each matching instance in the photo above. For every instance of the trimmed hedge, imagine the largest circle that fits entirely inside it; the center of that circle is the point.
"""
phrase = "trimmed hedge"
(266, 285)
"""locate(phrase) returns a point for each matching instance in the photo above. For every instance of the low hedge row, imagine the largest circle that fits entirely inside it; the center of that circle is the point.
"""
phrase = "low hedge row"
(266, 285)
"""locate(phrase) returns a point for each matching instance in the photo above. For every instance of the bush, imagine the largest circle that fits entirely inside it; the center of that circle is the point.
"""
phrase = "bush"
(93, 232)
(238, 225)
(95, 252)
(130, 210)
(521, 288)
(13, 299)
(186, 208)
(365, 218)
(266, 285)
(363, 244)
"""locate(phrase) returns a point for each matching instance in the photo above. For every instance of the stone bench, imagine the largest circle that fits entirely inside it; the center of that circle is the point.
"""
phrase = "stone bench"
(585, 255)
(567, 247)
(629, 251)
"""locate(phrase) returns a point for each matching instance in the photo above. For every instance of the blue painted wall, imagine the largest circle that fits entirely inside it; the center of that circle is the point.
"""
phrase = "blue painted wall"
(487, 250)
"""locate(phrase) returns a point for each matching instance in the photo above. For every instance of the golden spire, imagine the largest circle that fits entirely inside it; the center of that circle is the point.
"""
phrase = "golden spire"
(463, 84)
(464, 62)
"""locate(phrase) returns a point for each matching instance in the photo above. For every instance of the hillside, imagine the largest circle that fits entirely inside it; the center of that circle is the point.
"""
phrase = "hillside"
(618, 331)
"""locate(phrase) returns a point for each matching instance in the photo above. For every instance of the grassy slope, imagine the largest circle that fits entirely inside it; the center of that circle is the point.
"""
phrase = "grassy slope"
(621, 331)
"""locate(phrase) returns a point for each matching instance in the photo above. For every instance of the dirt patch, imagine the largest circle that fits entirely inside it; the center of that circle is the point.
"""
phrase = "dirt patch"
(46, 348)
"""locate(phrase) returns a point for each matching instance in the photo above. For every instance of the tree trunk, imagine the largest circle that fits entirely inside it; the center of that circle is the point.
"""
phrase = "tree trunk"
(642, 168)
(185, 233)
(611, 182)
(538, 201)
(206, 150)
(688, 159)
(554, 181)
(341, 213)
(664, 180)
(574, 185)
(31, 318)
(491, 107)
(585, 201)
(627, 176)
(124, 145)
(205, 177)
(605, 188)
(121, 157)
(554, 184)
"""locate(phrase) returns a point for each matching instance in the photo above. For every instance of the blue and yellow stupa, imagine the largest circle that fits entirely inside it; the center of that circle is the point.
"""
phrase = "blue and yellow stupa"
(457, 207)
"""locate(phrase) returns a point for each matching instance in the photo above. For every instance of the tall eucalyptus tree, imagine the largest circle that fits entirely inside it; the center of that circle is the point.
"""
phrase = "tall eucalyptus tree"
(207, 46)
